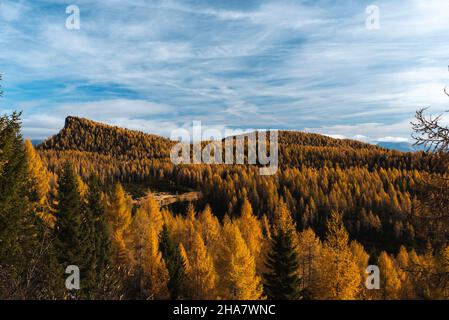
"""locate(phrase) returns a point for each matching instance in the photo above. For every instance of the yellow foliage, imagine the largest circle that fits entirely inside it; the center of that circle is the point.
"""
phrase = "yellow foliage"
(238, 279)
(390, 282)
(39, 184)
(201, 275)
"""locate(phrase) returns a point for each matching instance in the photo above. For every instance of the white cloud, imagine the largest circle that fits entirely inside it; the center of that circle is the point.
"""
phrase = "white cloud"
(279, 64)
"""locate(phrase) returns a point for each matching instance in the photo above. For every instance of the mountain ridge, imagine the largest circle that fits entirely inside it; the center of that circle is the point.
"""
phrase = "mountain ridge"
(62, 141)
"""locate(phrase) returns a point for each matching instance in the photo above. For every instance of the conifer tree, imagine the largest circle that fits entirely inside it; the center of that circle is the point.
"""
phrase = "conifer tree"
(71, 230)
(337, 273)
(118, 216)
(390, 282)
(39, 185)
(251, 231)
(150, 271)
(308, 249)
(201, 274)
(97, 236)
(27, 264)
(282, 281)
(174, 263)
(238, 279)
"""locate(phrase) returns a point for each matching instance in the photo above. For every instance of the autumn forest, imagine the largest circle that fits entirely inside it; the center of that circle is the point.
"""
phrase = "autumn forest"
(89, 197)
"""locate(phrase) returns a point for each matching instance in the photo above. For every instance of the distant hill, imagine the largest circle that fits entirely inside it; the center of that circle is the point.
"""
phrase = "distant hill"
(129, 155)
(36, 142)
(400, 146)
(86, 135)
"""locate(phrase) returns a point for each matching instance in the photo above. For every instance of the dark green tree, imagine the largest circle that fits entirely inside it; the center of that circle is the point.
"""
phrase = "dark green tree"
(74, 231)
(97, 236)
(282, 281)
(15, 236)
(27, 260)
(174, 262)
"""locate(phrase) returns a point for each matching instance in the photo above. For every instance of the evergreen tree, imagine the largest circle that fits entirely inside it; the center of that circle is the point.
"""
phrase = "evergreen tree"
(71, 244)
(174, 263)
(282, 281)
(27, 264)
(96, 237)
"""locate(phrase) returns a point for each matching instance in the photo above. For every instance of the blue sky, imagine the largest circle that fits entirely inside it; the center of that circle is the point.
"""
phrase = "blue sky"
(158, 65)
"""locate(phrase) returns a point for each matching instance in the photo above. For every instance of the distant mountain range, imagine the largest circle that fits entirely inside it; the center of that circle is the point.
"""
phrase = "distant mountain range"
(401, 146)
(398, 146)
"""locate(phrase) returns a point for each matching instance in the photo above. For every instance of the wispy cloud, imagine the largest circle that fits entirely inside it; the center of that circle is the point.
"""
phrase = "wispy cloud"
(156, 65)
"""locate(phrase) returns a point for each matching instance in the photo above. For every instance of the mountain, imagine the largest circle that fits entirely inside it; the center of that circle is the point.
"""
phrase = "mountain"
(86, 135)
(372, 186)
(400, 146)
(82, 134)
(124, 152)
(36, 142)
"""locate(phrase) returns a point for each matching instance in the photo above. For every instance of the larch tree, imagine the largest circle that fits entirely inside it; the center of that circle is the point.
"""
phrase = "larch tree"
(39, 185)
(210, 228)
(149, 269)
(201, 275)
(390, 282)
(237, 267)
(337, 273)
(308, 251)
(362, 259)
(251, 231)
(403, 264)
(118, 216)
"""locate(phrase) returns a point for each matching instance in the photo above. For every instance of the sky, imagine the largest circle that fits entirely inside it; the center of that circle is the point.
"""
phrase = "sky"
(156, 66)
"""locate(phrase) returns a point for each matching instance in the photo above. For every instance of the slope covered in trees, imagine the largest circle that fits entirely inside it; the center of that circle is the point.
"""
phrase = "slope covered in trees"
(307, 232)
(375, 189)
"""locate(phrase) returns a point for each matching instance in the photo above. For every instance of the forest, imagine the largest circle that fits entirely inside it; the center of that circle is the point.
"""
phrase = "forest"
(84, 197)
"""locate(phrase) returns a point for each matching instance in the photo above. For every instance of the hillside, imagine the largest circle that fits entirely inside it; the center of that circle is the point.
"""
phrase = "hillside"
(85, 135)
(128, 155)
(79, 134)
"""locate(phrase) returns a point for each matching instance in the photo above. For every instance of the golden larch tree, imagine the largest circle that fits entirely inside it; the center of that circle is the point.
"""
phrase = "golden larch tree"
(337, 273)
(201, 275)
(237, 267)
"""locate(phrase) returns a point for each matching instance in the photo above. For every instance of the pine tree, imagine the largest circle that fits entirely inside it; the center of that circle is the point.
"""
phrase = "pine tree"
(14, 209)
(27, 260)
(174, 262)
(97, 236)
(282, 281)
(71, 245)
